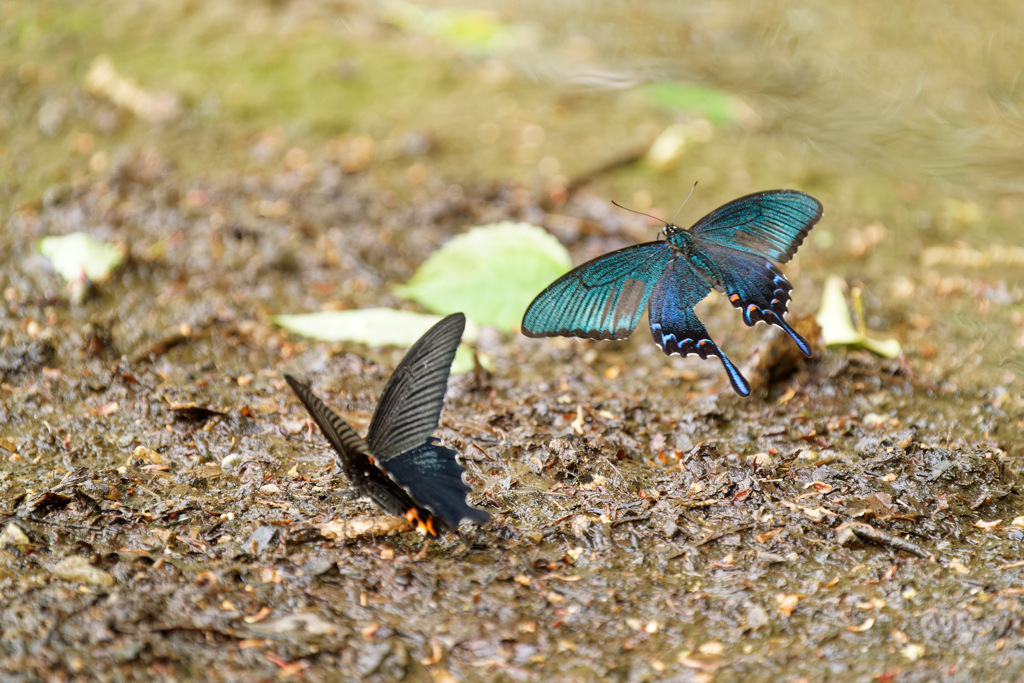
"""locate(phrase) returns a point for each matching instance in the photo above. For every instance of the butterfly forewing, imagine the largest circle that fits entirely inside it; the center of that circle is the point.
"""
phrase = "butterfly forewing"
(346, 442)
(410, 407)
(353, 455)
(601, 299)
(770, 224)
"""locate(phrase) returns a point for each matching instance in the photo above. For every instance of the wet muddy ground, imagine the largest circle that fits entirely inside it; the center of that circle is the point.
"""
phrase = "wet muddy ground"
(169, 514)
(648, 523)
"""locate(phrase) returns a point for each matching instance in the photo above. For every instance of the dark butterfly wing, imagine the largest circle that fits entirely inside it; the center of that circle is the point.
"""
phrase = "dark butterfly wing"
(770, 224)
(409, 409)
(424, 484)
(757, 287)
(438, 482)
(674, 325)
(601, 299)
(354, 455)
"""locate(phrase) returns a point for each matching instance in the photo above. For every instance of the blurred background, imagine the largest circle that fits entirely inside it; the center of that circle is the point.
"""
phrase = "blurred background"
(904, 119)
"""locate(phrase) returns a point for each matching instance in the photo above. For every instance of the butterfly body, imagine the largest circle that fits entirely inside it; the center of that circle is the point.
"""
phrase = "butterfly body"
(732, 250)
(399, 465)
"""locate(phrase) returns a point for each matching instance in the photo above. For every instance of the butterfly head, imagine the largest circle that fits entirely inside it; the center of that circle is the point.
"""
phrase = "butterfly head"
(671, 229)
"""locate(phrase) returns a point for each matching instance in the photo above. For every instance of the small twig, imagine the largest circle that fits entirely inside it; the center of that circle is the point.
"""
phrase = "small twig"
(706, 503)
(870, 533)
(626, 520)
(622, 160)
(615, 469)
(720, 534)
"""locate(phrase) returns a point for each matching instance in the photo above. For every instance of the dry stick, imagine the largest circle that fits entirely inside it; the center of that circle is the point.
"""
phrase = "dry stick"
(627, 520)
(709, 539)
(626, 158)
(870, 533)
(158, 347)
(725, 532)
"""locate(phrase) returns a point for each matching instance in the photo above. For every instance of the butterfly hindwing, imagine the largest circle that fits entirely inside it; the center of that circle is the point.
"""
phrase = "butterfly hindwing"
(771, 224)
(439, 484)
(410, 406)
(676, 327)
(601, 299)
(757, 287)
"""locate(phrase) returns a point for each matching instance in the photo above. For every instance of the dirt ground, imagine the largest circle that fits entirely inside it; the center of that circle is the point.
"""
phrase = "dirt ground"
(165, 509)
(169, 514)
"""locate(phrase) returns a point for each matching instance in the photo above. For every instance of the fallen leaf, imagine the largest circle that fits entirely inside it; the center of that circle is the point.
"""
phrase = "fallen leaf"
(837, 327)
(108, 409)
(787, 603)
(958, 567)
(81, 256)
(491, 273)
(365, 526)
(912, 652)
(79, 570)
(375, 327)
(862, 627)
(988, 525)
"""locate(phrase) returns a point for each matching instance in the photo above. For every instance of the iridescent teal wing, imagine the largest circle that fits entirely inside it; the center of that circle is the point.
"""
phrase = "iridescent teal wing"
(676, 327)
(757, 287)
(734, 247)
(601, 299)
(770, 224)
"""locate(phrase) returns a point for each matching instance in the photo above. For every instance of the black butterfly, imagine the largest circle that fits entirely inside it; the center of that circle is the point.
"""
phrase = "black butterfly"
(399, 465)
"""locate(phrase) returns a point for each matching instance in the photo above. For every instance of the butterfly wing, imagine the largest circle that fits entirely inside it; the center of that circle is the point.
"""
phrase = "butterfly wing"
(769, 224)
(353, 454)
(757, 287)
(439, 485)
(409, 409)
(424, 484)
(674, 325)
(601, 299)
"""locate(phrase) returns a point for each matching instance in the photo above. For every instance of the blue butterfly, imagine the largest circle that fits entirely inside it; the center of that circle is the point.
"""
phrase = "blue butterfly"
(732, 249)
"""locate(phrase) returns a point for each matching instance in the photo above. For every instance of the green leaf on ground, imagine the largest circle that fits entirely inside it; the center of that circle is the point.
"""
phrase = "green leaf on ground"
(715, 105)
(491, 273)
(374, 327)
(837, 328)
(81, 256)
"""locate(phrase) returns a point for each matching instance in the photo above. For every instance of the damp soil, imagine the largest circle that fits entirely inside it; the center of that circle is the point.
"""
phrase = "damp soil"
(647, 522)
(169, 514)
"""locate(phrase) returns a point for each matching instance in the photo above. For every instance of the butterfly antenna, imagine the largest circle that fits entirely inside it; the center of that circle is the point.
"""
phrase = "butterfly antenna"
(641, 213)
(684, 202)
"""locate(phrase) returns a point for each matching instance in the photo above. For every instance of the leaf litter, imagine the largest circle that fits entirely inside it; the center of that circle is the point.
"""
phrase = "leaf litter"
(645, 525)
